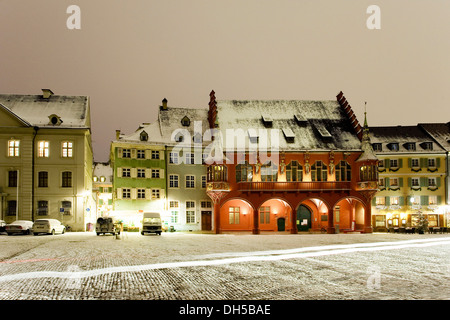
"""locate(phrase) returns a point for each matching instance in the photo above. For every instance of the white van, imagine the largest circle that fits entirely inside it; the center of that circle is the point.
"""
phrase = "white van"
(151, 223)
(49, 226)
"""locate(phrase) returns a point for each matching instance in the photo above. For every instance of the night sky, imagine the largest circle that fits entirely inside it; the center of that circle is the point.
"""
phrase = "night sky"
(130, 54)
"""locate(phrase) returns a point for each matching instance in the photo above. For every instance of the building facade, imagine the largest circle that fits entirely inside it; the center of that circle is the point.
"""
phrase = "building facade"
(412, 178)
(102, 188)
(46, 161)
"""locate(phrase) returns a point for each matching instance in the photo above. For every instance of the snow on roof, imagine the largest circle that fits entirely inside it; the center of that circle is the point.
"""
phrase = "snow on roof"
(36, 110)
(400, 138)
(440, 132)
(301, 119)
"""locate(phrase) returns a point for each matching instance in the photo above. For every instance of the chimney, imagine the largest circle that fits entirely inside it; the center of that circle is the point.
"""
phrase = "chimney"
(117, 134)
(164, 106)
(47, 93)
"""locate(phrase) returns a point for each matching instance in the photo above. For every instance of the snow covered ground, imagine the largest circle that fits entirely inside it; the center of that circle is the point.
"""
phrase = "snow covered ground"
(193, 266)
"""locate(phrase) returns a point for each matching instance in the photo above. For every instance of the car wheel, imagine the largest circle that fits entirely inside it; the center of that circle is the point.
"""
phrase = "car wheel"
(98, 233)
(35, 233)
(53, 232)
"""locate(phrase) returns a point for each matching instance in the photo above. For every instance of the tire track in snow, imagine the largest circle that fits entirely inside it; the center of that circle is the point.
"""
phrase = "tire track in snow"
(237, 257)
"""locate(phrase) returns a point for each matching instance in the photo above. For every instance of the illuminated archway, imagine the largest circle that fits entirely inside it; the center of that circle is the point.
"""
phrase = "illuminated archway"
(236, 215)
(349, 214)
(275, 215)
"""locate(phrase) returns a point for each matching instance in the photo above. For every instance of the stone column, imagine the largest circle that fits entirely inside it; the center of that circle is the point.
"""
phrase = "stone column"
(255, 222)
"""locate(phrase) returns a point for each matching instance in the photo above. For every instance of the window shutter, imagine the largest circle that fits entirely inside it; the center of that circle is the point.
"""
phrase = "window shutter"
(424, 200)
(161, 155)
(162, 193)
(374, 201)
(133, 193)
(161, 173)
(438, 162)
(133, 172)
(400, 163)
(401, 200)
(387, 201)
(387, 163)
(408, 200)
(119, 172)
(387, 183)
(400, 182)
(133, 153)
(439, 200)
(148, 194)
(119, 152)
(409, 162)
(438, 182)
(119, 193)
(148, 154)
(423, 162)
(423, 182)
(148, 173)
(409, 182)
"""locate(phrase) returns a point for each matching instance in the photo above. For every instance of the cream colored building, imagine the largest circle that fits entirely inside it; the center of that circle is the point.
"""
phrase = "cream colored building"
(46, 159)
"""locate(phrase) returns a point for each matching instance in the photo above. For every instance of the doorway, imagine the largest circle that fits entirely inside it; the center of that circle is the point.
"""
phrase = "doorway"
(303, 218)
(281, 224)
(206, 220)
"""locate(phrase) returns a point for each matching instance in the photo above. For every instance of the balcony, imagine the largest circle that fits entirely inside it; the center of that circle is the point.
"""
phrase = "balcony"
(294, 186)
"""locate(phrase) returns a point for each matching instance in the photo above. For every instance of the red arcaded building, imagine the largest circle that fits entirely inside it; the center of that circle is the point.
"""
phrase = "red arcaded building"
(290, 166)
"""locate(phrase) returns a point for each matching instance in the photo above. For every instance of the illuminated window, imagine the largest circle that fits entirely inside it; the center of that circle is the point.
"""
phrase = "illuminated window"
(244, 172)
(174, 209)
(432, 200)
(67, 149)
(380, 201)
(294, 172)
(264, 215)
(269, 172)
(319, 171)
(190, 211)
(233, 215)
(43, 149)
(344, 172)
(13, 148)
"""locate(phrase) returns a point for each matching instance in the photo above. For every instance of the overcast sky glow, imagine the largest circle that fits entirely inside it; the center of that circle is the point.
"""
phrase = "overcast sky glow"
(129, 55)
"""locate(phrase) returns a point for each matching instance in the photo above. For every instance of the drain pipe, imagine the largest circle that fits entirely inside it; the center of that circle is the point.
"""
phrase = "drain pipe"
(32, 171)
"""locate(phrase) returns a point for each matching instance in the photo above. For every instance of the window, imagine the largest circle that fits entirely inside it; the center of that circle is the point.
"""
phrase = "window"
(344, 171)
(432, 182)
(427, 145)
(244, 172)
(319, 171)
(43, 179)
(431, 162)
(126, 172)
(410, 146)
(206, 204)
(141, 173)
(377, 147)
(394, 200)
(380, 201)
(12, 178)
(294, 172)
(174, 209)
(393, 182)
(189, 158)
(12, 208)
(67, 179)
(95, 179)
(381, 183)
(415, 163)
(140, 154)
(173, 158)
(42, 209)
(264, 215)
(126, 193)
(185, 121)
(126, 153)
(67, 207)
(393, 163)
(13, 148)
(380, 220)
(203, 182)
(156, 194)
(269, 172)
(43, 149)
(155, 173)
(67, 149)
(233, 215)
(415, 182)
(143, 136)
(393, 146)
(190, 181)
(432, 200)
(415, 200)
(432, 220)
(173, 181)
(190, 211)
(155, 155)
(141, 193)
(102, 179)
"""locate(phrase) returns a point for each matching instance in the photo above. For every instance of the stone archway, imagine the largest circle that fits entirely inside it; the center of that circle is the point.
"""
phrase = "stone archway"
(349, 215)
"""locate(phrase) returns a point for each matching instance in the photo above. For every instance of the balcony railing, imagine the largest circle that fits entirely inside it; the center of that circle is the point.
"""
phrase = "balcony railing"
(294, 186)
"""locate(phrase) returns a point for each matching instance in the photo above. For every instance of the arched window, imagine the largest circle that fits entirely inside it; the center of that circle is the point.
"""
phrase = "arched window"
(269, 172)
(294, 172)
(244, 172)
(319, 171)
(343, 171)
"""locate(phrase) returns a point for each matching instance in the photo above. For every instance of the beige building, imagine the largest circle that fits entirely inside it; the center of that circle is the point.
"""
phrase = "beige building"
(46, 159)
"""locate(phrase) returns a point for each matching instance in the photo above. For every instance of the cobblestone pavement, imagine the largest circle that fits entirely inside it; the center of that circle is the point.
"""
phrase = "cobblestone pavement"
(192, 266)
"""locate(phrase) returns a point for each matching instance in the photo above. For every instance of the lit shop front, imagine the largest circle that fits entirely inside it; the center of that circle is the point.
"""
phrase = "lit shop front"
(398, 218)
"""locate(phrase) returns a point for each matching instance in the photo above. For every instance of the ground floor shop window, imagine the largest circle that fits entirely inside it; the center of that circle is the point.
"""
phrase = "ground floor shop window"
(432, 220)
(380, 221)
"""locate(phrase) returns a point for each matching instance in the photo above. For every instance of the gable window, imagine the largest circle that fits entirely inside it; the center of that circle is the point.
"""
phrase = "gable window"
(185, 121)
(393, 146)
(143, 136)
(43, 179)
(66, 179)
(319, 171)
(13, 148)
(294, 172)
(43, 149)
(427, 145)
(67, 149)
(12, 178)
(410, 146)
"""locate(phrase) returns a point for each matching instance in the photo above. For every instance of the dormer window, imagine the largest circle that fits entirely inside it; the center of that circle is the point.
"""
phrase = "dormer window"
(253, 136)
(267, 121)
(144, 136)
(289, 135)
(301, 121)
(427, 145)
(55, 120)
(377, 147)
(393, 146)
(185, 121)
(411, 146)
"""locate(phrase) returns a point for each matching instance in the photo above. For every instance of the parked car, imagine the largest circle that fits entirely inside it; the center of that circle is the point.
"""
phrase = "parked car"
(49, 226)
(107, 225)
(2, 226)
(151, 222)
(19, 226)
